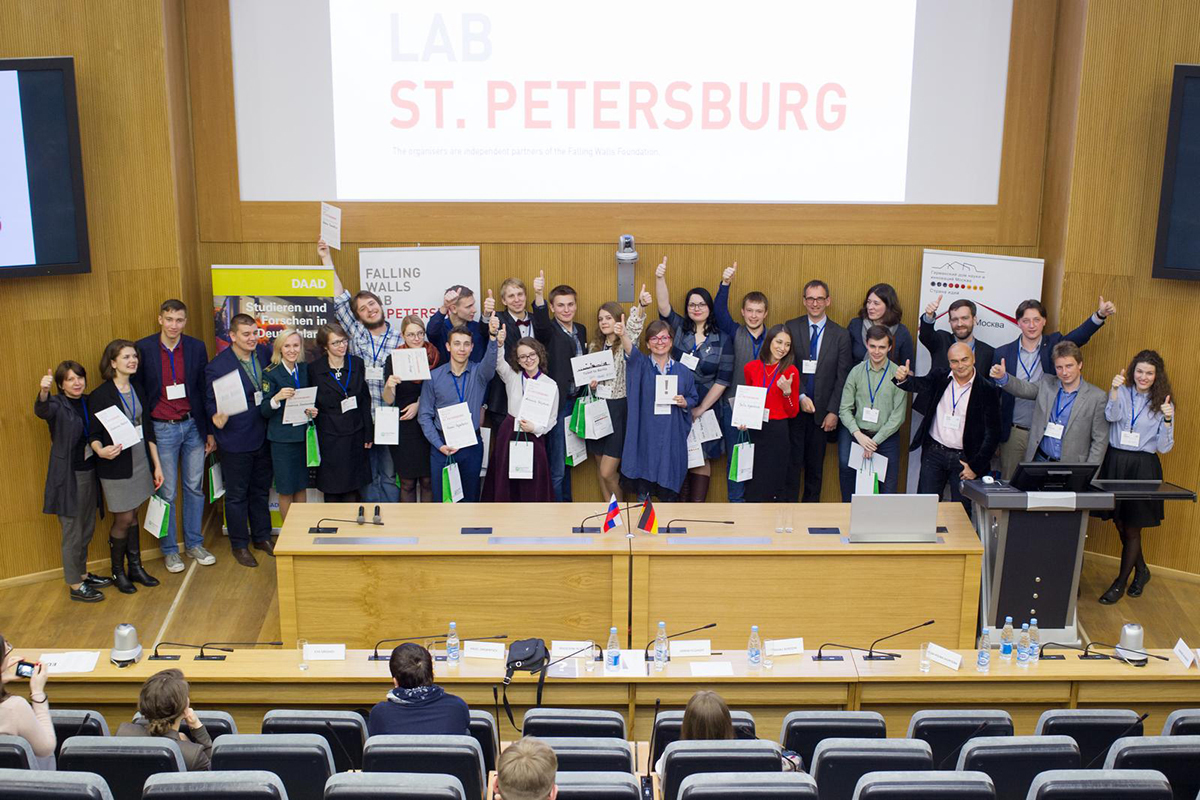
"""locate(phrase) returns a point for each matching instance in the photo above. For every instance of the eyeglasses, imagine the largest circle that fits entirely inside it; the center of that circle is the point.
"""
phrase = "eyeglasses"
(697, 306)
(415, 336)
(338, 342)
(660, 339)
(529, 357)
(815, 299)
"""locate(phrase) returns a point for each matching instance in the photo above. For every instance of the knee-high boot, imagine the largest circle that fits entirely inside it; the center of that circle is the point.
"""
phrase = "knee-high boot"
(133, 554)
(116, 549)
(699, 488)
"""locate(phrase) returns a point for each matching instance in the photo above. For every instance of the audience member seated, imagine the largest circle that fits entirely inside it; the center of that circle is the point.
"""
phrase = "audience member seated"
(29, 719)
(705, 717)
(165, 703)
(526, 771)
(416, 705)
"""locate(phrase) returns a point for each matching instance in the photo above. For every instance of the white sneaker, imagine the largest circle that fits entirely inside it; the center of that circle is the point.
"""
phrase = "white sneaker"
(174, 562)
(202, 556)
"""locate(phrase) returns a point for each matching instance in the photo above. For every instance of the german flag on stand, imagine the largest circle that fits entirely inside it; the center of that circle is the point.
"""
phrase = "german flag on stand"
(648, 521)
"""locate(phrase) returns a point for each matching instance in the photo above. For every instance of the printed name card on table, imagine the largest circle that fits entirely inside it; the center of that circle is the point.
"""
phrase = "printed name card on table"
(690, 648)
(784, 647)
(712, 669)
(1184, 653)
(494, 650)
(563, 648)
(947, 658)
(633, 662)
(75, 661)
(324, 652)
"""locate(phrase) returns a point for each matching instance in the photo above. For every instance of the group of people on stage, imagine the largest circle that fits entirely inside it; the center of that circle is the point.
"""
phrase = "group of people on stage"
(823, 383)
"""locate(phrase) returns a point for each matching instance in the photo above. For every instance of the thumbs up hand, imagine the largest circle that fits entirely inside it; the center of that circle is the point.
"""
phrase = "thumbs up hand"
(1118, 380)
(644, 297)
(619, 327)
(539, 283)
(998, 370)
(47, 381)
(661, 270)
(1167, 409)
(902, 373)
(727, 275)
(931, 309)
(1106, 308)
(489, 305)
(785, 385)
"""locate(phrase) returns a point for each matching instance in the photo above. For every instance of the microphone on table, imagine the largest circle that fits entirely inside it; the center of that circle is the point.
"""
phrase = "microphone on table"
(375, 654)
(669, 529)
(1120, 735)
(954, 753)
(157, 657)
(202, 657)
(378, 520)
(362, 520)
(590, 529)
(871, 656)
(1088, 654)
(646, 651)
(820, 657)
(333, 734)
(1059, 656)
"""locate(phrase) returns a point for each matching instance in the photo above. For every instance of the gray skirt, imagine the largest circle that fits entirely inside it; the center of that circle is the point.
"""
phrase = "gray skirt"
(126, 494)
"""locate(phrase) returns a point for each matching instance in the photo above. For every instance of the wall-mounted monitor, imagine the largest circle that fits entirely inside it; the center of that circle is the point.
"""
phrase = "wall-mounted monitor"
(43, 218)
(1177, 245)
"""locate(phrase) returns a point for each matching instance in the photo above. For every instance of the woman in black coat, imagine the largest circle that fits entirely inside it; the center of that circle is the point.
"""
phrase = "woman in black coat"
(128, 476)
(344, 428)
(72, 493)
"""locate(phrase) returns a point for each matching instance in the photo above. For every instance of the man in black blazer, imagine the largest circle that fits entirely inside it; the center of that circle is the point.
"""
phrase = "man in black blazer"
(961, 427)
(564, 338)
(517, 322)
(962, 329)
(822, 352)
(171, 374)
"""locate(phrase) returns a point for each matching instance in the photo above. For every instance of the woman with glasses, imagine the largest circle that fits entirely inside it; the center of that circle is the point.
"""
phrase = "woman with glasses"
(881, 306)
(344, 428)
(29, 719)
(707, 352)
(522, 425)
(654, 461)
(128, 476)
(283, 377)
(410, 455)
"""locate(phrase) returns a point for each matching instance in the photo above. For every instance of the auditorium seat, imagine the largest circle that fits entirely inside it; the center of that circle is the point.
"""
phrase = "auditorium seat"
(946, 731)
(390, 786)
(15, 752)
(598, 786)
(839, 763)
(482, 726)
(1100, 784)
(29, 784)
(217, 723)
(248, 785)
(803, 730)
(931, 784)
(459, 756)
(1093, 729)
(1012, 762)
(668, 723)
(1184, 722)
(70, 722)
(684, 758)
(125, 762)
(346, 739)
(560, 722)
(302, 761)
(748, 786)
(592, 754)
(1176, 757)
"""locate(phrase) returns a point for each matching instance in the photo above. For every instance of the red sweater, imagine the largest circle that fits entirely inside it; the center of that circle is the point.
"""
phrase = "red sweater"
(780, 407)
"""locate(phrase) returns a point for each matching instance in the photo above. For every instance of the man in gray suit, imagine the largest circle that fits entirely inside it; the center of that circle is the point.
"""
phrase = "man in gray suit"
(1068, 415)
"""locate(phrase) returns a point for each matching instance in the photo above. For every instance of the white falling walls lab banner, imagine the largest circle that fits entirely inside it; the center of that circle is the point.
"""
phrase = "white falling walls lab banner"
(413, 280)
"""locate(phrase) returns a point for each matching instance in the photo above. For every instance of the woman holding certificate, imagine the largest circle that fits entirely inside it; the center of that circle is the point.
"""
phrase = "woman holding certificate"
(410, 456)
(707, 352)
(609, 448)
(344, 429)
(286, 374)
(128, 468)
(662, 393)
(520, 469)
(776, 371)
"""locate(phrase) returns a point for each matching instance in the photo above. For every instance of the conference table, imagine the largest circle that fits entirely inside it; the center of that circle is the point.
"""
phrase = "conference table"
(519, 570)
(252, 681)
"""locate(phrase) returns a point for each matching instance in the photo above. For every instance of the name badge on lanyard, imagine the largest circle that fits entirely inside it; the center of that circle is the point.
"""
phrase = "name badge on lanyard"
(1054, 430)
(374, 373)
(809, 366)
(1131, 439)
(176, 391)
(951, 422)
(349, 404)
(872, 415)
(689, 361)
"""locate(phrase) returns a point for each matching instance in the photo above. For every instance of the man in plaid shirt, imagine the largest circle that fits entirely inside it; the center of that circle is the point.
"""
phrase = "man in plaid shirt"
(372, 339)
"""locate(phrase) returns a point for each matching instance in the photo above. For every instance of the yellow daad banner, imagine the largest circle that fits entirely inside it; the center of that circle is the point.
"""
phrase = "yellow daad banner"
(276, 297)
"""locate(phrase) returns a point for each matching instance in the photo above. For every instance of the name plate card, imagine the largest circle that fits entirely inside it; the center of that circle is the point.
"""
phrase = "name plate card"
(691, 648)
(324, 652)
(947, 658)
(784, 647)
(1184, 654)
(494, 650)
(564, 648)
(712, 669)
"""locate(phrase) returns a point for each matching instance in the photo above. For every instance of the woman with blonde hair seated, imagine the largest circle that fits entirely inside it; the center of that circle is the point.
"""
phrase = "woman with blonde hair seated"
(164, 704)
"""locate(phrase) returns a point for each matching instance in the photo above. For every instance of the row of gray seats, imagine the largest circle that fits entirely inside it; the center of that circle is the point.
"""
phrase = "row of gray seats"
(916, 785)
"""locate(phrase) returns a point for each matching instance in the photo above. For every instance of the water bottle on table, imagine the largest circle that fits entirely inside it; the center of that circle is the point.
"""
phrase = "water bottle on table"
(1023, 646)
(1035, 642)
(754, 649)
(452, 651)
(660, 648)
(612, 653)
(983, 660)
(1006, 640)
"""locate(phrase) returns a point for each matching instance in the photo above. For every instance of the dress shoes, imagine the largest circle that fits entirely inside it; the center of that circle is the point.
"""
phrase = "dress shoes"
(86, 594)
(244, 557)
(97, 581)
(266, 545)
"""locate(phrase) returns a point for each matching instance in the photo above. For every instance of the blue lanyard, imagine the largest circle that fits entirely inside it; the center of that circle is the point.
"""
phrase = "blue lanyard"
(1133, 412)
(349, 374)
(756, 344)
(1058, 411)
(768, 381)
(814, 343)
(87, 422)
(953, 400)
(665, 370)
(132, 410)
(1028, 370)
(296, 376)
(875, 391)
(170, 359)
(253, 370)
(462, 390)
(375, 353)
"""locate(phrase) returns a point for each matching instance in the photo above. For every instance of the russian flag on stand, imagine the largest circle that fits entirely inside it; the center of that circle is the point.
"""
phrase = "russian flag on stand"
(613, 519)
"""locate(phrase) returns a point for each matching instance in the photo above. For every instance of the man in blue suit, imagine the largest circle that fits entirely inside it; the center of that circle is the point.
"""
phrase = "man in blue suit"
(1028, 357)
(171, 374)
(242, 440)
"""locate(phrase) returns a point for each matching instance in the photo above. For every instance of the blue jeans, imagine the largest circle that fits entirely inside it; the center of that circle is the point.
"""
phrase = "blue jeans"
(469, 460)
(180, 443)
(382, 488)
(737, 491)
(889, 449)
(556, 451)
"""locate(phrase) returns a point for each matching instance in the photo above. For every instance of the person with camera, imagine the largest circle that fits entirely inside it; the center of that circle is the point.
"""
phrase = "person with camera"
(29, 719)
(164, 704)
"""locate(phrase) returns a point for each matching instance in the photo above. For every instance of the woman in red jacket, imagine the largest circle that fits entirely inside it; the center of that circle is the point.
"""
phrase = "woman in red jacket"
(774, 369)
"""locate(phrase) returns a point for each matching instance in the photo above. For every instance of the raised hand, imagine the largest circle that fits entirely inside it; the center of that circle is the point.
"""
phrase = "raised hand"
(1118, 380)
(931, 309)
(46, 382)
(449, 299)
(661, 270)
(785, 384)
(1106, 309)
(539, 283)
(727, 275)
(902, 373)
(998, 370)
(493, 325)
(489, 305)
(322, 249)
(644, 297)
(501, 335)
(619, 327)
(1167, 409)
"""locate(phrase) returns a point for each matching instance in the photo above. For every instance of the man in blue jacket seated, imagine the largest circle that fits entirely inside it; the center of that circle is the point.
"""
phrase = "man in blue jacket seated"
(416, 705)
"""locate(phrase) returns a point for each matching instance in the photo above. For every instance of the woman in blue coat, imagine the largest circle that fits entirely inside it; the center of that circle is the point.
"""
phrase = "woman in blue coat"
(654, 462)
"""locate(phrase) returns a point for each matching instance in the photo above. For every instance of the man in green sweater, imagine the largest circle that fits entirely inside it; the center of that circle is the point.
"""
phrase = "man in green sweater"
(872, 410)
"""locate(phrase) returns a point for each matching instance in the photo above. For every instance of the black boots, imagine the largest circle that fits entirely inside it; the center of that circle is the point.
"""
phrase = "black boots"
(133, 554)
(117, 549)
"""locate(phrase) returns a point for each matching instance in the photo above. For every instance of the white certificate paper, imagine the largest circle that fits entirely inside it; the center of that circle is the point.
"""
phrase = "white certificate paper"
(231, 397)
(295, 406)
(410, 364)
(457, 427)
(331, 225)
(596, 366)
(709, 428)
(748, 406)
(539, 402)
(387, 425)
(119, 427)
(666, 387)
